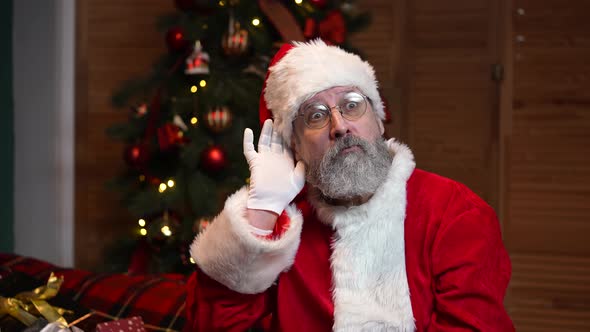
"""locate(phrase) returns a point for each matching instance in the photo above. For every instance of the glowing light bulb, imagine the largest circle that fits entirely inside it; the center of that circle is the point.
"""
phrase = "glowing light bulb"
(193, 88)
(298, 1)
(162, 187)
(143, 232)
(255, 22)
(203, 83)
(221, 3)
(141, 222)
(170, 183)
(166, 230)
(192, 260)
(194, 120)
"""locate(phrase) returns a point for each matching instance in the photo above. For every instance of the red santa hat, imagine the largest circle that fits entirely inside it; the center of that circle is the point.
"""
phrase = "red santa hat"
(302, 69)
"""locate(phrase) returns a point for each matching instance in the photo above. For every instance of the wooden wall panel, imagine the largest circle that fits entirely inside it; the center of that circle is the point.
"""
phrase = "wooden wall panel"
(380, 45)
(548, 174)
(116, 41)
(549, 292)
(451, 100)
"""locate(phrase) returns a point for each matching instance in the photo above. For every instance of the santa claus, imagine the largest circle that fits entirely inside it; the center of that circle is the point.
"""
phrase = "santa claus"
(337, 229)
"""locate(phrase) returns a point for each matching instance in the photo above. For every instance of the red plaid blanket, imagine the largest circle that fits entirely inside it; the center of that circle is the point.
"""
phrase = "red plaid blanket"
(159, 300)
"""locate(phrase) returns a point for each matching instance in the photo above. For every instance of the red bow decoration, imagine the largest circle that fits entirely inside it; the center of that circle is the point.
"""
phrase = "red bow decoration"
(169, 136)
(331, 29)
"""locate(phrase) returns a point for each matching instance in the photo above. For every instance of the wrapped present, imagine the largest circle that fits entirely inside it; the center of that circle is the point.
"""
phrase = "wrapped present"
(98, 297)
(133, 324)
(27, 305)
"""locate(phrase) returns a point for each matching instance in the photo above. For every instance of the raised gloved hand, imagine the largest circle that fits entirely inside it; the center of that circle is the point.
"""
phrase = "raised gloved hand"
(274, 178)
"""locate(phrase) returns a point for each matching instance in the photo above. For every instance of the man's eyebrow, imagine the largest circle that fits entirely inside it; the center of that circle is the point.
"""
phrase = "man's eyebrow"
(312, 101)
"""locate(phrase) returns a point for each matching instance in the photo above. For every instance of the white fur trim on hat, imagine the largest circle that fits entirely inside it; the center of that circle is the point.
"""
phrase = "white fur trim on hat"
(309, 68)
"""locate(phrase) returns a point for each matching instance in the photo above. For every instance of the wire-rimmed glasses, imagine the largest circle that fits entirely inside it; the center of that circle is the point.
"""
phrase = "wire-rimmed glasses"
(351, 105)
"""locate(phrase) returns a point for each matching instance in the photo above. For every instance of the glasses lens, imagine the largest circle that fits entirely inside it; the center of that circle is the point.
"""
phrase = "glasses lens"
(316, 115)
(353, 105)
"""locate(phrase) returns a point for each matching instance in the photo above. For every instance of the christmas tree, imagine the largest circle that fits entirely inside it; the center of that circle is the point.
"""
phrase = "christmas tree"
(187, 117)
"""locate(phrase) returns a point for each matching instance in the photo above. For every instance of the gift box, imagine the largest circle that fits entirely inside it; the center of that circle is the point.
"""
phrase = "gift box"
(99, 297)
(134, 324)
(29, 302)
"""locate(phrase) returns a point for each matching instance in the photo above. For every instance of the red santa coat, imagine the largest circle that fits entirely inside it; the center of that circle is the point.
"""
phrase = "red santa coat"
(425, 253)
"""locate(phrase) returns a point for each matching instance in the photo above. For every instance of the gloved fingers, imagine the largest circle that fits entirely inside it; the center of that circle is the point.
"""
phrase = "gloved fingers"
(276, 144)
(249, 151)
(265, 136)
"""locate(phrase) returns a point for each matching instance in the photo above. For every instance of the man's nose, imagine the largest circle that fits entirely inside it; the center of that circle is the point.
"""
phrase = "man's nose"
(338, 125)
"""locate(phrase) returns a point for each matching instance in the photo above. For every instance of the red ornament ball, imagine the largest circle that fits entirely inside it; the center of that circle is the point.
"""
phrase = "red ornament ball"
(136, 155)
(213, 159)
(176, 39)
(319, 3)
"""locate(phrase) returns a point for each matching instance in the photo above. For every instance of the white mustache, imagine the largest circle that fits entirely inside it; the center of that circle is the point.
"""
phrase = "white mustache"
(348, 142)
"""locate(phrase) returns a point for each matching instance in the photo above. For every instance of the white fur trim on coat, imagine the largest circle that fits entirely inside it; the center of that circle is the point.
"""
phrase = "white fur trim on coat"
(312, 67)
(371, 291)
(228, 252)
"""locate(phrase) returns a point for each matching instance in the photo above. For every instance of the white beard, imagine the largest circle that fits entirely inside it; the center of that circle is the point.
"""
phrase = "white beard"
(352, 174)
(371, 291)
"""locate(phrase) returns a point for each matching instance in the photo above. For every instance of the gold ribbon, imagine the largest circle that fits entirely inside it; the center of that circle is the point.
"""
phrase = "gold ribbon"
(26, 306)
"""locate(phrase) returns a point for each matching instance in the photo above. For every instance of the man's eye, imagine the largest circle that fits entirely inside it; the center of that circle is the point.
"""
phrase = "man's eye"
(316, 116)
(351, 105)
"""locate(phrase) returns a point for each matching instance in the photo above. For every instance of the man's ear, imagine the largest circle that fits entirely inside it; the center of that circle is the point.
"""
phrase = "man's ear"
(379, 121)
(294, 148)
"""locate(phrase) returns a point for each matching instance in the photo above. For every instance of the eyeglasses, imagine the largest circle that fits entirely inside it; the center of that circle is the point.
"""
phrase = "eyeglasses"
(351, 105)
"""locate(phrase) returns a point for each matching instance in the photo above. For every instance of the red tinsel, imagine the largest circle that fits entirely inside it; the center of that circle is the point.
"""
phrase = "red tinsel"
(331, 29)
(170, 136)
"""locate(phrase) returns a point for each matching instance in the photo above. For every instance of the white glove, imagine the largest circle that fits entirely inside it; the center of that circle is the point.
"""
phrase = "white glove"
(274, 178)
